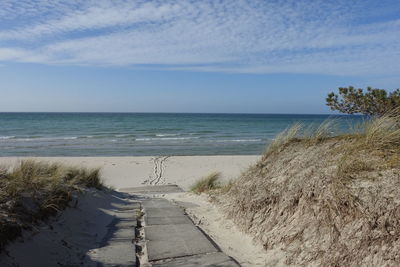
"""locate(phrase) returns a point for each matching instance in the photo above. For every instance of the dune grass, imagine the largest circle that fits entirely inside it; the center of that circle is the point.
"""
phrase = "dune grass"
(375, 133)
(32, 191)
(382, 132)
(298, 132)
(283, 138)
(322, 132)
(326, 200)
(207, 183)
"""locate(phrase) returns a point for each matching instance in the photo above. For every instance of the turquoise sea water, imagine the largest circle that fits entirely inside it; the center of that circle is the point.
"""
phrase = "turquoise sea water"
(143, 134)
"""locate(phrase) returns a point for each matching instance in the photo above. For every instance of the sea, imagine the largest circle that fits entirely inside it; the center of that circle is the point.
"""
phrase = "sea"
(149, 134)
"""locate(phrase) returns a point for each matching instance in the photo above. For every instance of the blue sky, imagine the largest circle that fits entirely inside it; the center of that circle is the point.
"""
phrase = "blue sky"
(193, 56)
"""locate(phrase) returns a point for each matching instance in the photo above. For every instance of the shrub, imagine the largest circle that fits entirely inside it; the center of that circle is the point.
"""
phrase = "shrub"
(373, 102)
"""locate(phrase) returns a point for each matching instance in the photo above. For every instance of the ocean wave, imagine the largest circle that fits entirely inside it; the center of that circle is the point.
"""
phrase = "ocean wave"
(7, 137)
(124, 136)
(239, 140)
(70, 138)
(205, 131)
(165, 138)
(163, 135)
(84, 137)
(44, 138)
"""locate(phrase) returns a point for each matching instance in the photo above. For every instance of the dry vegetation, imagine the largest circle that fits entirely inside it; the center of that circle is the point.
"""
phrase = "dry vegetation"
(329, 201)
(205, 184)
(33, 191)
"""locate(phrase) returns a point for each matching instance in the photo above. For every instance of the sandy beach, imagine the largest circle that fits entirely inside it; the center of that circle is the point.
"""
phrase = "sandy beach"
(121, 172)
(96, 209)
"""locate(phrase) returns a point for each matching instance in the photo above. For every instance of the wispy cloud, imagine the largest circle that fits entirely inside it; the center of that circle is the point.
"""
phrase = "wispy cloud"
(329, 37)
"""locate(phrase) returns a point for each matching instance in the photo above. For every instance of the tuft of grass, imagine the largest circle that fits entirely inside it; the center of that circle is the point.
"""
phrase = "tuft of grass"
(205, 184)
(283, 138)
(321, 133)
(33, 190)
(374, 145)
(382, 132)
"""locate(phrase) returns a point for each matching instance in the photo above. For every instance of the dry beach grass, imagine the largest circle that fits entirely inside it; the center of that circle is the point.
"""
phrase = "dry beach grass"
(207, 183)
(330, 201)
(31, 191)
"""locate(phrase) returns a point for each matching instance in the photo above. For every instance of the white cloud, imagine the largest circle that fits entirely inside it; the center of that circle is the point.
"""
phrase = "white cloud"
(93, 17)
(330, 37)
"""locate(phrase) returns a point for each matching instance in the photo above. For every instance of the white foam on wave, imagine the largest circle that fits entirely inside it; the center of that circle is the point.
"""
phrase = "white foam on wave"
(7, 137)
(240, 140)
(45, 138)
(163, 135)
(69, 138)
(165, 138)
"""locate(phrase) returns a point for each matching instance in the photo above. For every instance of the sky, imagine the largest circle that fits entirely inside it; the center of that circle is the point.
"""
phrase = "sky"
(230, 56)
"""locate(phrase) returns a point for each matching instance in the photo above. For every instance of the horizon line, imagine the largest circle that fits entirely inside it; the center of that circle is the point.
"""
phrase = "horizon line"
(164, 112)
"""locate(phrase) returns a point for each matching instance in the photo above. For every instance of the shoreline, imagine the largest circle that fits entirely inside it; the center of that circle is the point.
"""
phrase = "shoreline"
(130, 171)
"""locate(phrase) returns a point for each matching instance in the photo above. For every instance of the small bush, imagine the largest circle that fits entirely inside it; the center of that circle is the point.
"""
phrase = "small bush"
(207, 183)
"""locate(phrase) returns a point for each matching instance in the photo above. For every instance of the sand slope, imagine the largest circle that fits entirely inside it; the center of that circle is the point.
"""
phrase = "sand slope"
(70, 239)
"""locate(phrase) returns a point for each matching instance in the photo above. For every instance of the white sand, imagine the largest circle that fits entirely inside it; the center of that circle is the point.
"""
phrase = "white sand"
(121, 172)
